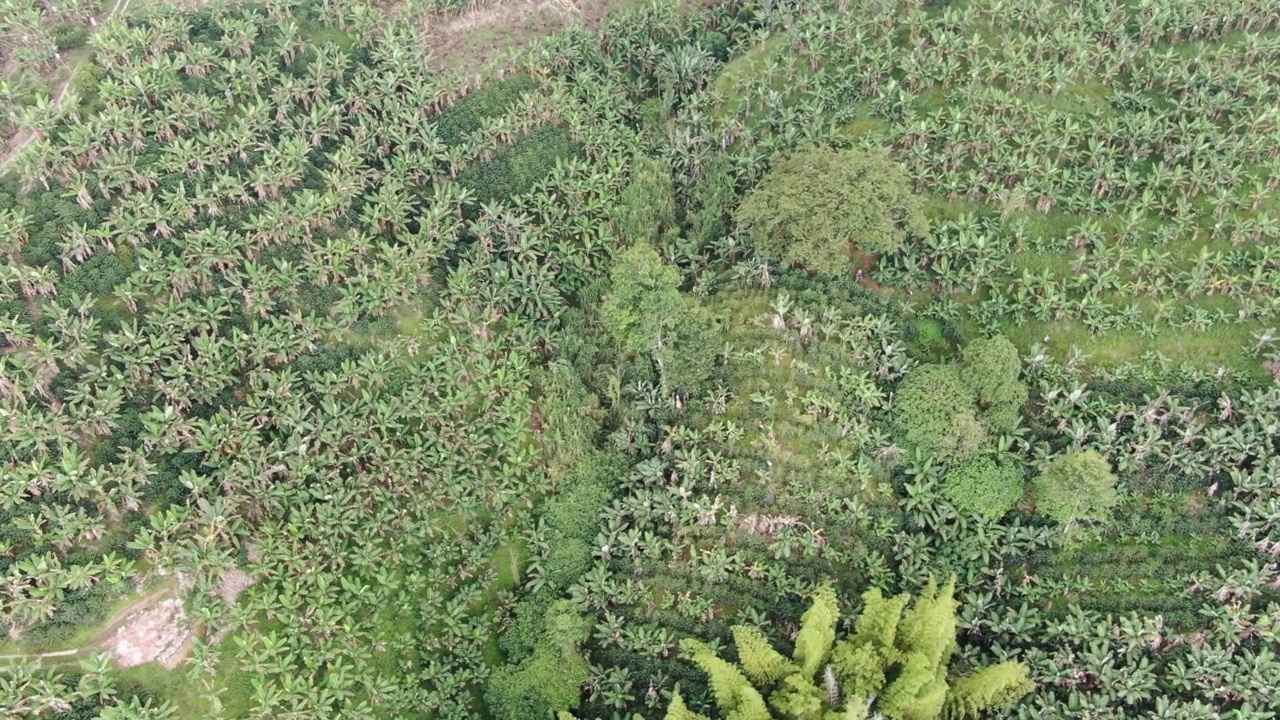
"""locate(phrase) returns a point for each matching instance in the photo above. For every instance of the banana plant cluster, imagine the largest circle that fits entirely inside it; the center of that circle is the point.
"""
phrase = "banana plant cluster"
(312, 355)
(271, 201)
(1096, 116)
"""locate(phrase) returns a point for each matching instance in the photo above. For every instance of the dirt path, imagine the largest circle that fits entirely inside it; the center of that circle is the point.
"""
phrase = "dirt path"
(111, 632)
(40, 656)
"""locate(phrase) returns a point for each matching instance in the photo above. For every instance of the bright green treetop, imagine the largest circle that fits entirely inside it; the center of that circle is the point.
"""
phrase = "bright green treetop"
(732, 691)
(1075, 487)
(992, 686)
(817, 630)
(985, 485)
(762, 664)
(893, 664)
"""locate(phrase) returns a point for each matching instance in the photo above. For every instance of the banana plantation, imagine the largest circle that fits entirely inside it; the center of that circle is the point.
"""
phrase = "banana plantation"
(731, 359)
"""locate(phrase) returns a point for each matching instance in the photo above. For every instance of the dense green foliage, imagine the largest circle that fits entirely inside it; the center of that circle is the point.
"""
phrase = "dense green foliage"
(485, 397)
(990, 369)
(935, 413)
(547, 681)
(950, 411)
(816, 207)
(649, 318)
(893, 664)
(1076, 487)
(647, 207)
(986, 485)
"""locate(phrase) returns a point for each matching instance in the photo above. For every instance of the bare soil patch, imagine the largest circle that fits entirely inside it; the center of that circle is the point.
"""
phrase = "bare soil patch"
(158, 633)
(154, 628)
(232, 583)
(477, 37)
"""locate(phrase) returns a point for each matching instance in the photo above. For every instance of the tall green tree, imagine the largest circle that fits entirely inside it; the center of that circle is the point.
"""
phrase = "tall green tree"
(816, 207)
(1076, 487)
(650, 318)
(934, 411)
(951, 411)
(985, 484)
(549, 680)
(991, 369)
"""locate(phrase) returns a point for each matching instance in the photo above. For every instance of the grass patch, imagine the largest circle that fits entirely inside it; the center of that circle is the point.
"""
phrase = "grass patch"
(320, 35)
(1219, 346)
(862, 126)
(753, 62)
(507, 561)
(172, 685)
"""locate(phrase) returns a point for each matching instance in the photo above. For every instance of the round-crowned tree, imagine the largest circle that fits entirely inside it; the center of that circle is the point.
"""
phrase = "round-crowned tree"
(985, 485)
(991, 370)
(817, 206)
(1076, 487)
(934, 412)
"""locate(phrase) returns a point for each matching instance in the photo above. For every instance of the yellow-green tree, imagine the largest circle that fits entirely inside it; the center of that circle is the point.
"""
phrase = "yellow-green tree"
(1076, 487)
(817, 206)
(894, 663)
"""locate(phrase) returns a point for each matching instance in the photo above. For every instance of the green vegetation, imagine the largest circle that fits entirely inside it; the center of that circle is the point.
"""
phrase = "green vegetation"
(952, 411)
(813, 209)
(548, 680)
(985, 485)
(602, 382)
(1076, 487)
(893, 664)
(649, 318)
(935, 414)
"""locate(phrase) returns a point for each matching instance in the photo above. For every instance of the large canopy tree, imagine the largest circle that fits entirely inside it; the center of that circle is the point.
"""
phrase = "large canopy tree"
(951, 411)
(816, 207)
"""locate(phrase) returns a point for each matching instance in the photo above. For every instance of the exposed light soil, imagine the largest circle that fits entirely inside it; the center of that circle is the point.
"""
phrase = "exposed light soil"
(474, 38)
(232, 583)
(158, 633)
(154, 628)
